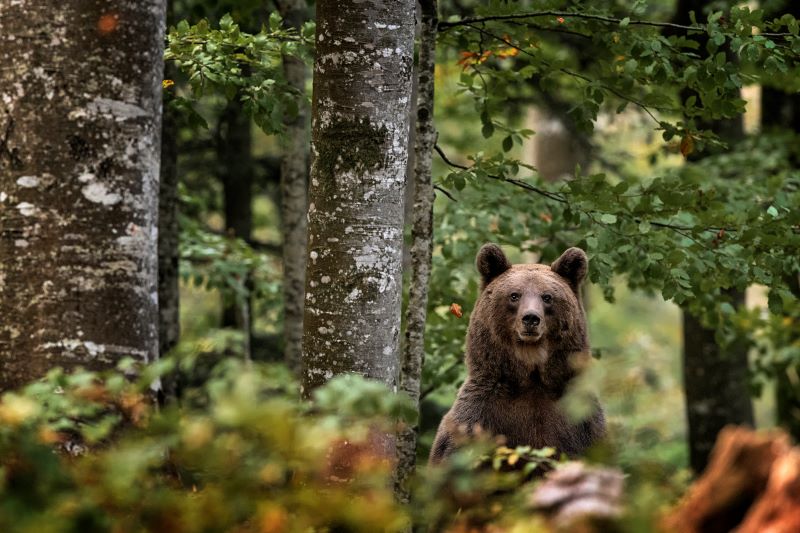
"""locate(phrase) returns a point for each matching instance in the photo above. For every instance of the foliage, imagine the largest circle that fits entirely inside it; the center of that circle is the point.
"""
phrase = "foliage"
(690, 233)
(88, 451)
(242, 65)
(241, 452)
(233, 267)
(642, 63)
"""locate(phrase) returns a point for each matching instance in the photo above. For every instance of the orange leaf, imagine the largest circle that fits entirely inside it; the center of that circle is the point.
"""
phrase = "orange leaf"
(687, 145)
(455, 309)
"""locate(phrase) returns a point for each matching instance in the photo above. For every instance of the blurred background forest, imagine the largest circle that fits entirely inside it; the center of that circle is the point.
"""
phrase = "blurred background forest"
(668, 285)
(637, 337)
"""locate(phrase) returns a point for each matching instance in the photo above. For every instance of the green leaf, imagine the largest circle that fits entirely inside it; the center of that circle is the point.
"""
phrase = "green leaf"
(275, 21)
(226, 22)
(608, 218)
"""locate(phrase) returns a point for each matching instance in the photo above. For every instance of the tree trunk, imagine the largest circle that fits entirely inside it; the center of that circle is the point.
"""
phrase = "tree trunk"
(362, 84)
(716, 383)
(421, 243)
(294, 198)
(80, 126)
(787, 385)
(234, 155)
(168, 231)
(780, 109)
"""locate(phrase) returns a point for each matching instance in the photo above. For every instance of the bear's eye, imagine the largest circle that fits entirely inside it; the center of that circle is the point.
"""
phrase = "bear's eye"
(514, 296)
(546, 298)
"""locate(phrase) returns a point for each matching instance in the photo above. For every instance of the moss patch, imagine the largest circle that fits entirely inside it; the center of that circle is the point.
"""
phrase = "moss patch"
(351, 145)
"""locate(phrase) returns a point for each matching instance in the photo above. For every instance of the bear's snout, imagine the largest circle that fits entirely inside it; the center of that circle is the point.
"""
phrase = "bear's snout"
(531, 320)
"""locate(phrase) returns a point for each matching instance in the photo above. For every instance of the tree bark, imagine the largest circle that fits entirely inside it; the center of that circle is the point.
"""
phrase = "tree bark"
(421, 243)
(780, 109)
(80, 127)
(716, 383)
(168, 231)
(235, 160)
(294, 198)
(362, 84)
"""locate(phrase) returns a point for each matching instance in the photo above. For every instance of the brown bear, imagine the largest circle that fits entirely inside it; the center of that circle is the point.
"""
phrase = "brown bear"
(527, 339)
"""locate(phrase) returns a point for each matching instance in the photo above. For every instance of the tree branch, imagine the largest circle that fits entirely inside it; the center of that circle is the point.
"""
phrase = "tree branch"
(568, 72)
(559, 197)
(445, 25)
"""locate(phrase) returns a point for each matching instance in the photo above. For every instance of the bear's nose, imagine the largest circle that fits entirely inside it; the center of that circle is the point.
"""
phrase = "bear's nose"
(531, 319)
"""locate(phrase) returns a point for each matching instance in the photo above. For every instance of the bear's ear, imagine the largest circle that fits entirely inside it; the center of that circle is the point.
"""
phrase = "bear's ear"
(572, 266)
(491, 262)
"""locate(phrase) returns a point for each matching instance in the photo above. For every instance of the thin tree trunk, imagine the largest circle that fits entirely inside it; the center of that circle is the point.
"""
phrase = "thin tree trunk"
(168, 231)
(235, 159)
(80, 127)
(421, 245)
(408, 215)
(294, 198)
(362, 85)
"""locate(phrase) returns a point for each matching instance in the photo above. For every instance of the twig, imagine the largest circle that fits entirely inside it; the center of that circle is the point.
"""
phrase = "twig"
(556, 197)
(445, 192)
(445, 25)
(568, 72)
(518, 183)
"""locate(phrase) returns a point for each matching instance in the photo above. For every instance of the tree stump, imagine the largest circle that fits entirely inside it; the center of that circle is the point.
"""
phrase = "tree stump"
(752, 483)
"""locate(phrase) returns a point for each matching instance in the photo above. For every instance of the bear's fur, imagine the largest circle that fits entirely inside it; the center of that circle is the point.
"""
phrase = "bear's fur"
(527, 339)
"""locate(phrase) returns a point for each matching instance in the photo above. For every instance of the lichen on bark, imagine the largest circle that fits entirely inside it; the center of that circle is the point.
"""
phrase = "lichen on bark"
(294, 197)
(360, 108)
(80, 110)
(351, 144)
(421, 246)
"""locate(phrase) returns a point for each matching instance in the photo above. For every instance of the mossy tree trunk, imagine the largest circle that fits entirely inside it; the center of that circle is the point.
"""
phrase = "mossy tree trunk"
(362, 87)
(80, 127)
(421, 242)
(294, 198)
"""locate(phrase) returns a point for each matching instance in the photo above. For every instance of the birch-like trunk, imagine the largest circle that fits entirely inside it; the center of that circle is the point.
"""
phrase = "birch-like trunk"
(80, 127)
(362, 86)
(421, 243)
(294, 197)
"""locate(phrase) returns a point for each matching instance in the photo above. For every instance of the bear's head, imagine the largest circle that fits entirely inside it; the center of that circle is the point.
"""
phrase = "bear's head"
(534, 310)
